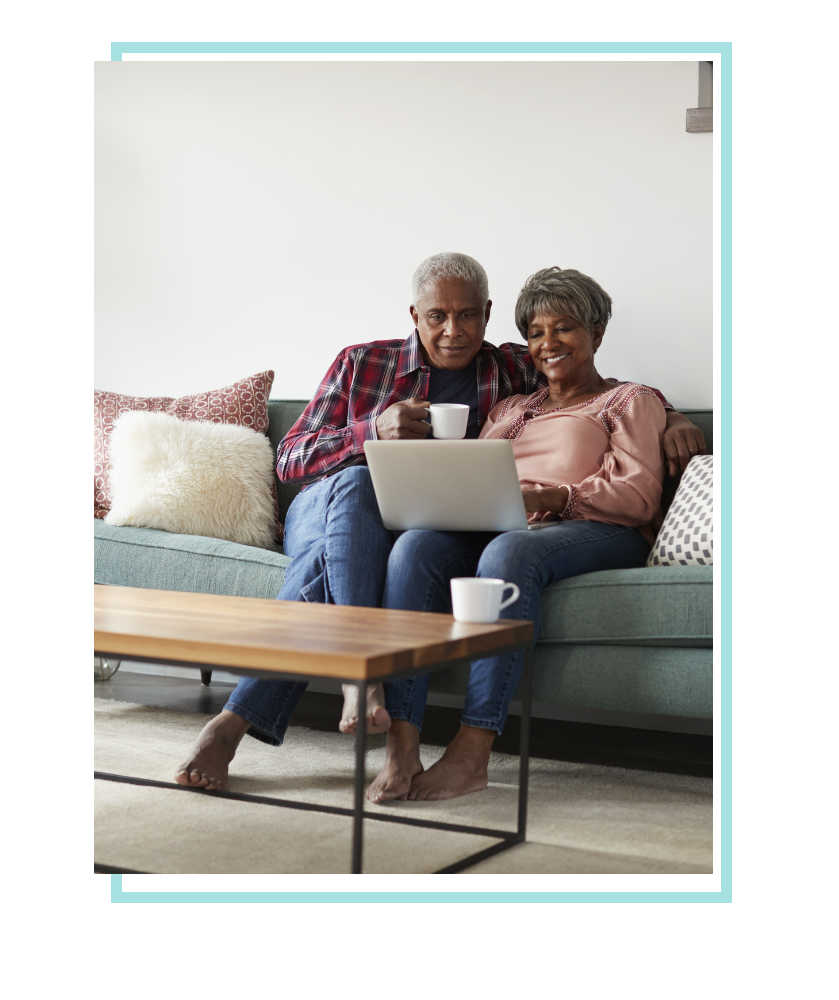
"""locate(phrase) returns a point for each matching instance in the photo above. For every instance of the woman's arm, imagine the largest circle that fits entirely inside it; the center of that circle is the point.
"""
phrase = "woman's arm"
(626, 489)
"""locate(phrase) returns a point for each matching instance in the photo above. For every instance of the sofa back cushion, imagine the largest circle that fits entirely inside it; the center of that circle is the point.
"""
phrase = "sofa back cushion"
(282, 415)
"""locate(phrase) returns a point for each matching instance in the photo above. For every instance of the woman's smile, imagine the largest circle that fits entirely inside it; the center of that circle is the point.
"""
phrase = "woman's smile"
(552, 360)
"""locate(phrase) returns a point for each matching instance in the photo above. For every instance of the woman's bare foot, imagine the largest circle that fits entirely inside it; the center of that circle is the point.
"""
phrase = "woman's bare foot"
(462, 768)
(378, 720)
(402, 764)
(206, 766)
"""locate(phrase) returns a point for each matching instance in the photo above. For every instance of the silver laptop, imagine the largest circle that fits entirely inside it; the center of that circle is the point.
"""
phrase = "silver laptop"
(447, 485)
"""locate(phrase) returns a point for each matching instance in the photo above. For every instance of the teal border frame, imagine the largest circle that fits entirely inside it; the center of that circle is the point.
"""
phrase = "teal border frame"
(722, 124)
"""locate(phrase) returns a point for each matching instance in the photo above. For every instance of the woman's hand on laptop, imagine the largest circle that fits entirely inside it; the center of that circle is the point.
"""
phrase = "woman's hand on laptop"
(545, 503)
(405, 421)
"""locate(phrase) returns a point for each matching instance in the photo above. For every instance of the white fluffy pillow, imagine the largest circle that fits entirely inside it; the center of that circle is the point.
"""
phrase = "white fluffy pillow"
(192, 477)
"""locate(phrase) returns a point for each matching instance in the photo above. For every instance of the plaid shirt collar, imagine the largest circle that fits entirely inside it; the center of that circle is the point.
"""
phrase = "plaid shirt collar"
(410, 356)
(411, 359)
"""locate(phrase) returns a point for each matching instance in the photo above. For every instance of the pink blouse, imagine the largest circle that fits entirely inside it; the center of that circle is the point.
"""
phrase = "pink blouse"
(606, 451)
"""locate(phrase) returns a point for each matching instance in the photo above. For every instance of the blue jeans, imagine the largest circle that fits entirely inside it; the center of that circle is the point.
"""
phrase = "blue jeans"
(423, 562)
(339, 550)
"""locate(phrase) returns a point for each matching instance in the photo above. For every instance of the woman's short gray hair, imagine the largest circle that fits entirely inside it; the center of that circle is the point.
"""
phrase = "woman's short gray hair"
(450, 265)
(559, 292)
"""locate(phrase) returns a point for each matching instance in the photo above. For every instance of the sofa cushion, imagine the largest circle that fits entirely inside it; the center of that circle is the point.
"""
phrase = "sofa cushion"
(145, 557)
(659, 606)
(649, 680)
(282, 415)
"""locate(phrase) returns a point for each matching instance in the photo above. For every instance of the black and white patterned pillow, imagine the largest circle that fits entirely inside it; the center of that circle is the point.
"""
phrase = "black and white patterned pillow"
(687, 536)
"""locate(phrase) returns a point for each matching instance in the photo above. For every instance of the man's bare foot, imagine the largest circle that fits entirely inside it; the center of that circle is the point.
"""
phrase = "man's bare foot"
(206, 766)
(462, 768)
(378, 719)
(402, 764)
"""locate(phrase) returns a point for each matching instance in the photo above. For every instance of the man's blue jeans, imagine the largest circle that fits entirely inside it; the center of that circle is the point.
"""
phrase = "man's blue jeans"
(339, 550)
(422, 564)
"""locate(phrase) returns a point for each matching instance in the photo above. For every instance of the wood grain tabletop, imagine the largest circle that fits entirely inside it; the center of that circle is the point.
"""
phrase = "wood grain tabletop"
(317, 640)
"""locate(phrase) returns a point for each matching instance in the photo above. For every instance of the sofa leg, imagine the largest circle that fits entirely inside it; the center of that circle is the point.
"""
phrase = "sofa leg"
(205, 677)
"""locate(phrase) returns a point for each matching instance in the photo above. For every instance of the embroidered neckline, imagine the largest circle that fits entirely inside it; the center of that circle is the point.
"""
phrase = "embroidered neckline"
(544, 395)
(531, 407)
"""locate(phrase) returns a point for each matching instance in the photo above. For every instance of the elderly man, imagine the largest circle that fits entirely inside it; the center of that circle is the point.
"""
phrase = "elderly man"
(333, 531)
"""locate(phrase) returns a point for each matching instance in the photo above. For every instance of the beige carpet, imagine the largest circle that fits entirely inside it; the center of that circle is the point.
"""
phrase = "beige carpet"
(583, 818)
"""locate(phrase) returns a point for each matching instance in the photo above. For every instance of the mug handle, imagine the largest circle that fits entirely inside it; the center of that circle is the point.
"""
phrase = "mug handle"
(513, 597)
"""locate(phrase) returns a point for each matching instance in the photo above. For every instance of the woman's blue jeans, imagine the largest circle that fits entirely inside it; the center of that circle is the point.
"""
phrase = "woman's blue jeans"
(422, 563)
(339, 550)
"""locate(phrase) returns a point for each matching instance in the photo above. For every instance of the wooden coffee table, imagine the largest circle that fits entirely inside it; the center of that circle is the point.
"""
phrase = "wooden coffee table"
(294, 640)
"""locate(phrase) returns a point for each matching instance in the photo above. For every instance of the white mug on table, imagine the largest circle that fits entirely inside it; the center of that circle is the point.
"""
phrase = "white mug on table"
(479, 599)
(448, 420)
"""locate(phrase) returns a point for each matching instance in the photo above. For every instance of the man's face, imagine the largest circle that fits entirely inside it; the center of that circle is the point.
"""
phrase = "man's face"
(451, 320)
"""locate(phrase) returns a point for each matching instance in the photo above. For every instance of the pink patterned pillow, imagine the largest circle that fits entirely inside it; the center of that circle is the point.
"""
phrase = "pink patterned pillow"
(244, 403)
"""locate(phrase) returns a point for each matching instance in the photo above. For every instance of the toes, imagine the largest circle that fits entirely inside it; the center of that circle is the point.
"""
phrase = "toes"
(182, 777)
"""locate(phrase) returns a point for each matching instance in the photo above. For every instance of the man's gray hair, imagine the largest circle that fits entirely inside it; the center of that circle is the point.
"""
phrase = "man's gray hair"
(559, 292)
(450, 265)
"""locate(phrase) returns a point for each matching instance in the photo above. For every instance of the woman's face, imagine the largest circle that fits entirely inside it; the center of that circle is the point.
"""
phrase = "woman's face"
(561, 348)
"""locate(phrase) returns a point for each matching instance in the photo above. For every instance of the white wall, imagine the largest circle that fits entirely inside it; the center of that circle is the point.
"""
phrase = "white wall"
(264, 215)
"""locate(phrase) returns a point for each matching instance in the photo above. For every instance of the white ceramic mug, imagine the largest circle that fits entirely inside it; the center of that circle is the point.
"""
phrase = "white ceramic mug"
(448, 420)
(480, 600)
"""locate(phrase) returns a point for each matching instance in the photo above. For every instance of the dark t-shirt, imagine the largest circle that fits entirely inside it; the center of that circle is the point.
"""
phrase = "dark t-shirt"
(459, 386)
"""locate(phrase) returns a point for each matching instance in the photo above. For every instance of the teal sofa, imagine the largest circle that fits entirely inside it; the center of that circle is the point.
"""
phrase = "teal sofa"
(630, 640)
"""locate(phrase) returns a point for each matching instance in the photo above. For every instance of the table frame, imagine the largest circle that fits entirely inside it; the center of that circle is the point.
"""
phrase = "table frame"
(507, 838)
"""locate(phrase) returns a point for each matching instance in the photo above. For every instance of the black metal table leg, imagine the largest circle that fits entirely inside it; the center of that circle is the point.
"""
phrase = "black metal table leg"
(360, 754)
(524, 738)
(506, 838)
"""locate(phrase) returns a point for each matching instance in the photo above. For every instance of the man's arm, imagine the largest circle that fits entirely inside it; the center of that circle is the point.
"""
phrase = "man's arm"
(346, 411)
(682, 440)
(324, 439)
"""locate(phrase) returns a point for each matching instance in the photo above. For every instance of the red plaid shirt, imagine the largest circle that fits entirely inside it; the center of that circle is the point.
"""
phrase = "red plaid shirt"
(365, 380)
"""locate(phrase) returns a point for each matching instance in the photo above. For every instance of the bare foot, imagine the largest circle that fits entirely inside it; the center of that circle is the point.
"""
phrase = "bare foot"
(378, 720)
(206, 766)
(402, 764)
(462, 768)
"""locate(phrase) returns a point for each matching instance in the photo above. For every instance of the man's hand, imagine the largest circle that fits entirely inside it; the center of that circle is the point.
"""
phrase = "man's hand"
(682, 440)
(404, 421)
(545, 503)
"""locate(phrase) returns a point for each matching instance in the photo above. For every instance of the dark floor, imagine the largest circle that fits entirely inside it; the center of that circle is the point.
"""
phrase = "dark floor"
(614, 746)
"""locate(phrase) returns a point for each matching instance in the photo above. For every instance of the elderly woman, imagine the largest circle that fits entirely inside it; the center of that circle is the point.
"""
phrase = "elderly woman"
(589, 456)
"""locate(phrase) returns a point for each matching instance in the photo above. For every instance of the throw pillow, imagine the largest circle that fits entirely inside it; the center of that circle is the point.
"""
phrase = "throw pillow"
(244, 403)
(192, 478)
(686, 537)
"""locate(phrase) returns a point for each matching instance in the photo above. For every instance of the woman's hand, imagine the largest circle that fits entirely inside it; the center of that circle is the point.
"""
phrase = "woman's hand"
(682, 440)
(545, 503)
